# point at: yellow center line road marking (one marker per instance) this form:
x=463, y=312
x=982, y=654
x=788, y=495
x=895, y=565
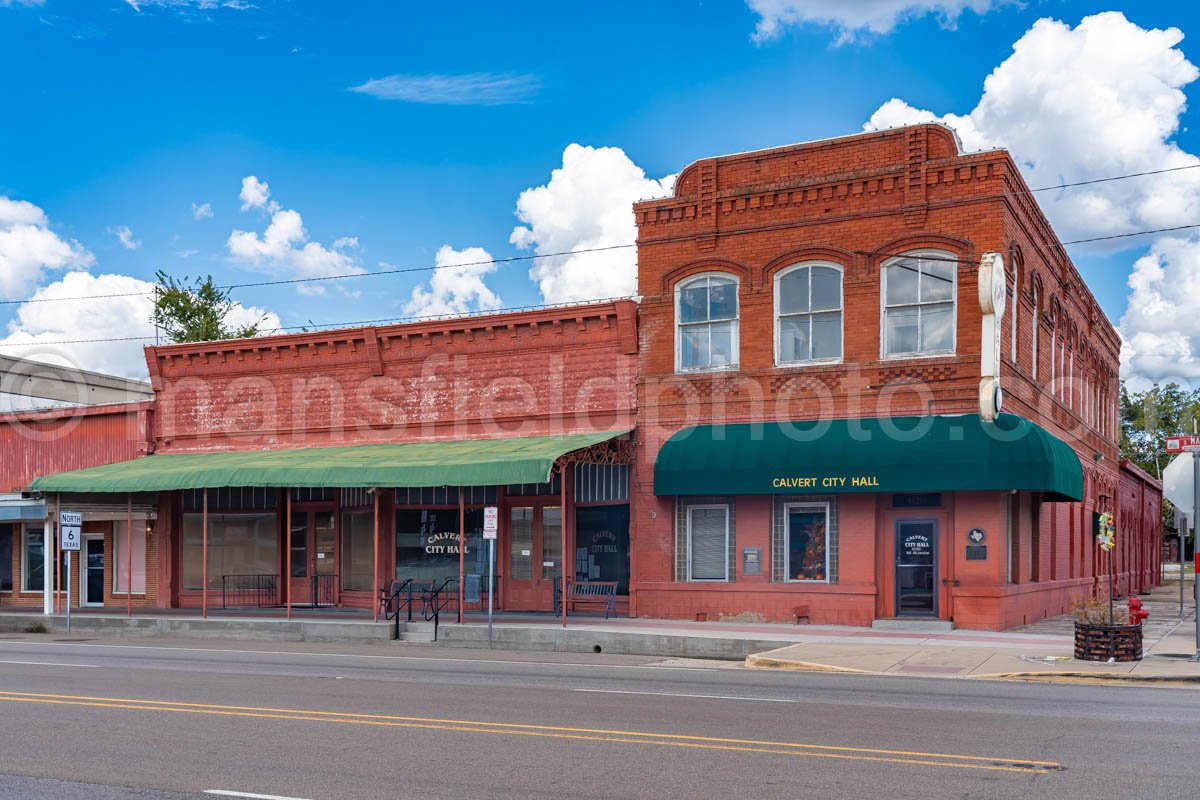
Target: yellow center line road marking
x=991, y=763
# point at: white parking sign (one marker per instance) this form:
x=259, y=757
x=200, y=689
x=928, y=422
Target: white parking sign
x=69, y=526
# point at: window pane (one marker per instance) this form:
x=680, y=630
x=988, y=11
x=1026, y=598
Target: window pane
x=721, y=344
x=238, y=544
x=6, y=559
x=793, y=292
x=902, y=282
x=602, y=545
x=709, y=545
x=722, y=299
x=826, y=289
x=299, y=544
x=121, y=558
x=34, y=565
x=358, y=550
x=693, y=347
x=521, y=544
x=693, y=302
x=551, y=541
x=937, y=327
x=901, y=330
x=806, y=545
x=427, y=543
x=794, y=339
x=827, y=335
x=937, y=280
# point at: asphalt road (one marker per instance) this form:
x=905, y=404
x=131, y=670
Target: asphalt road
x=126, y=719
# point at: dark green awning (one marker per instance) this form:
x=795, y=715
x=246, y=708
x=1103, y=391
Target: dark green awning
x=873, y=454
x=475, y=462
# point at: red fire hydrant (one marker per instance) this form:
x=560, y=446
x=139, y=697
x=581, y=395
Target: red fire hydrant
x=1136, y=612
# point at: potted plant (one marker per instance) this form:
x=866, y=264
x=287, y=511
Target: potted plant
x=1102, y=630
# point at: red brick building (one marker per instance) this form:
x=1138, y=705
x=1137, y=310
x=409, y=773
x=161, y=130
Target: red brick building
x=795, y=421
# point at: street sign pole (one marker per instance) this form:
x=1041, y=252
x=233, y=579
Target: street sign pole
x=70, y=527
x=69, y=592
x=491, y=524
x=1195, y=539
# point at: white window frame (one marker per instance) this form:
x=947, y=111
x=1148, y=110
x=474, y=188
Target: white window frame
x=1033, y=372
x=25, y=535
x=708, y=506
x=883, y=307
x=737, y=332
x=91, y=602
x=1016, y=307
x=841, y=310
x=787, y=537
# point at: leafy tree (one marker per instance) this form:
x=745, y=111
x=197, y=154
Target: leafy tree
x=1149, y=417
x=196, y=312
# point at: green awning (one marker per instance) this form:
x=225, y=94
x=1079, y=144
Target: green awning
x=873, y=454
x=476, y=462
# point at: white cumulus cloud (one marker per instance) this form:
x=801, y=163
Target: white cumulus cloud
x=850, y=19
x=125, y=237
x=202, y=211
x=28, y=247
x=1101, y=99
x=586, y=205
x=457, y=285
x=284, y=247
x=82, y=310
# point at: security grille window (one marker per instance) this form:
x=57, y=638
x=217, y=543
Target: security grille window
x=918, y=309
x=807, y=550
x=708, y=543
x=808, y=315
x=707, y=312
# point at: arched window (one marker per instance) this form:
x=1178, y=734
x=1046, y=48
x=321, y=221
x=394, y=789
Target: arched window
x=919, y=292
x=808, y=314
x=1033, y=322
x=1014, y=303
x=706, y=314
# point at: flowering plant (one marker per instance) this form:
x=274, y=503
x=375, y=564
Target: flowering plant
x=1106, y=537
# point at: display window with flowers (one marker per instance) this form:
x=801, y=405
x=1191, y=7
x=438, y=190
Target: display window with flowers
x=807, y=542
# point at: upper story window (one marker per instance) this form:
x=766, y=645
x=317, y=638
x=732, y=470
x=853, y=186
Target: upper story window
x=808, y=314
x=706, y=313
x=919, y=304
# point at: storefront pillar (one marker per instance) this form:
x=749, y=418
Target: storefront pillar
x=49, y=596
x=128, y=554
x=462, y=548
x=375, y=557
x=562, y=528
x=53, y=548
x=287, y=547
x=204, y=557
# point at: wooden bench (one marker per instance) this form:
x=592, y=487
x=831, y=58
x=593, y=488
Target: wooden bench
x=593, y=593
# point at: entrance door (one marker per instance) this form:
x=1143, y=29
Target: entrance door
x=91, y=582
x=314, y=558
x=916, y=567
x=534, y=557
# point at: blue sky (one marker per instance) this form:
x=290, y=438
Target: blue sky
x=130, y=114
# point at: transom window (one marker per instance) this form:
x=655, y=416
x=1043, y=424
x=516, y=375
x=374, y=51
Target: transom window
x=808, y=314
x=919, y=298
x=706, y=308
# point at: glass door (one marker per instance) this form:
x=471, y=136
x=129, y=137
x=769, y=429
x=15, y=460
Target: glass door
x=314, y=558
x=92, y=579
x=916, y=568
x=534, y=557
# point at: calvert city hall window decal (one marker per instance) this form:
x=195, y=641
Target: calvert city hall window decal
x=427, y=543
x=807, y=541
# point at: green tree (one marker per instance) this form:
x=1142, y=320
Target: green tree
x=1150, y=416
x=196, y=311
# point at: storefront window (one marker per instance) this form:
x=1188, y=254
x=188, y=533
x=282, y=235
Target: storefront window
x=358, y=550
x=6, y=560
x=708, y=543
x=808, y=542
x=32, y=563
x=121, y=560
x=427, y=543
x=238, y=544
x=602, y=545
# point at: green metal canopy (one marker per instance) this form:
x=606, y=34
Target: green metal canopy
x=873, y=454
x=476, y=462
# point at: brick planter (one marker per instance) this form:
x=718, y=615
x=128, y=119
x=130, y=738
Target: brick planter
x=1104, y=642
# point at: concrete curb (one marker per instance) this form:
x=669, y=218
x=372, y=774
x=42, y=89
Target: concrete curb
x=268, y=630
x=762, y=662
x=1091, y=677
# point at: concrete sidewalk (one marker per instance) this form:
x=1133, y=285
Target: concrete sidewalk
x=1042, y=651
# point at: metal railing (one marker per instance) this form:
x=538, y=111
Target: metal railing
x=323, y=590
x=434, y=596
x=440, y=597
x=249, y=591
